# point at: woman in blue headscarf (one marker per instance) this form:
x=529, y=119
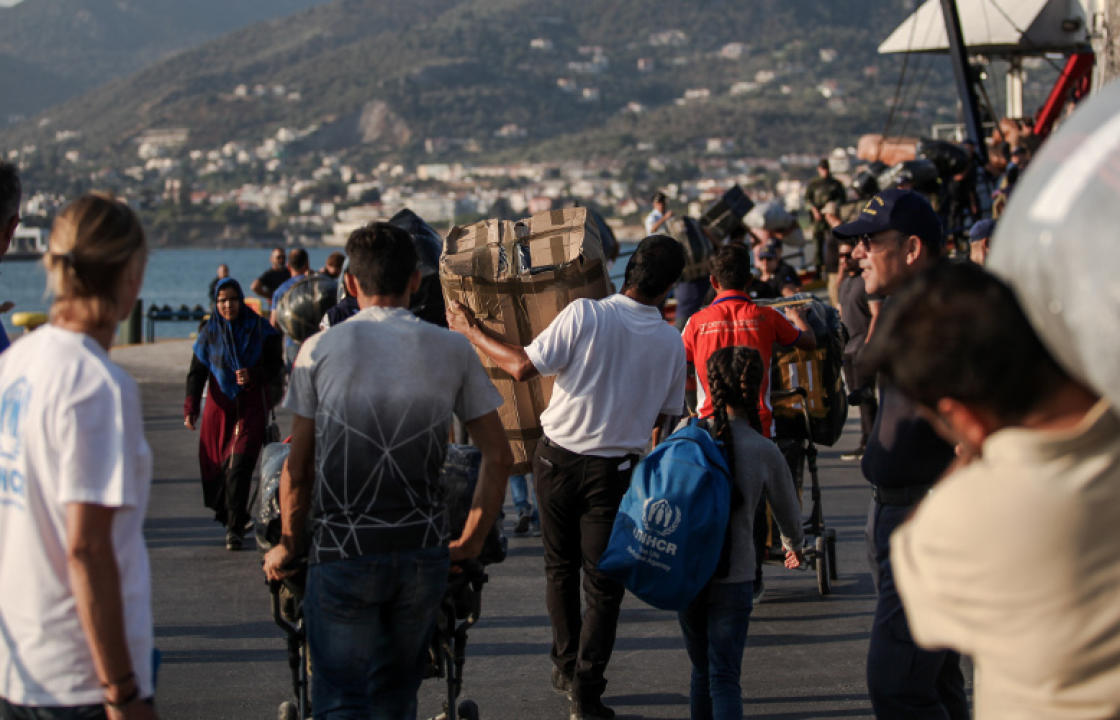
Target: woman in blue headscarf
x=238, y=353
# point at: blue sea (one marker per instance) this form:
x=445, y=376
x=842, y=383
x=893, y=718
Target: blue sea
x=175, y=277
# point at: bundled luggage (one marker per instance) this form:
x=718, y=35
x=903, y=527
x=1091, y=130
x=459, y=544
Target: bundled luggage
x=725, y=216
x=698, y=249
x=427, y=302
x=949, y=158
x=920, y=174
x=819, y=372
x=302, y=307
x=516, y=277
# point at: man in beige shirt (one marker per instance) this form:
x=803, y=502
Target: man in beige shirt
x=1014, y=558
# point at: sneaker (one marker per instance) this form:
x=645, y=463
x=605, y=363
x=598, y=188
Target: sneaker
x=233, y=541
x=852, y=456
x=524, y=518
x=561, y=683
x=759, y=591
x=589, y=710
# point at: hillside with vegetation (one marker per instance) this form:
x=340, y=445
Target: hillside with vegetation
x=51, y=50
x=400, y=79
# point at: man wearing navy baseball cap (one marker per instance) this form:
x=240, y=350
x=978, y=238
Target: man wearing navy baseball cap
x=896, y=236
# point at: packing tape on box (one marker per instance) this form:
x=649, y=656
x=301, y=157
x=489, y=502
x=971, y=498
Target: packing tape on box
x=521, y=286
x=524, y=434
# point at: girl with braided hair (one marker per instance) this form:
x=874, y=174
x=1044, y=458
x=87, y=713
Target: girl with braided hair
x=715, y=623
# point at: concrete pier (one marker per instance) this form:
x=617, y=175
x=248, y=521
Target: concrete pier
x=224, y=659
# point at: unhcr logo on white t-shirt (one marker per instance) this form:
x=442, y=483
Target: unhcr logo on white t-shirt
x=13, y=405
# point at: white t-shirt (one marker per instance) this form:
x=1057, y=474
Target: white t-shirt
x=618, y=365
x=651, y=220
x=1015, y=561
x=71, y=431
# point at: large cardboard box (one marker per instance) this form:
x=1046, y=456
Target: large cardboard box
x=517, y=277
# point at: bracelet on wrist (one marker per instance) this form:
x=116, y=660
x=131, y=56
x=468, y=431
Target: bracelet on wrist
x=121, y=681
x=125, y=701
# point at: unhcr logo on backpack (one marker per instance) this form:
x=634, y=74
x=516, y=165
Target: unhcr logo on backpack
x=659, y=517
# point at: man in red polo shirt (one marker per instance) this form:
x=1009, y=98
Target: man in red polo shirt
x=734, y=319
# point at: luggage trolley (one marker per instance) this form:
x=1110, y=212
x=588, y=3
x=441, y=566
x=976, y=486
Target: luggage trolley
x=460, y=607
x=801, y=452
x=810, y=408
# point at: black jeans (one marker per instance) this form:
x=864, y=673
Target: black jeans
x=9, y=711
x=905, y=682
x=578, y=497
x=23, y=712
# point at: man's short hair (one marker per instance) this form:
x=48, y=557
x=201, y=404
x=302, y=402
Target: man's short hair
x=957, y=331
x=823, y=164
x=297, y=259
x=655, y=266
x=659, y=197
x=382, y=258
x=731, y=267
x=10, y=191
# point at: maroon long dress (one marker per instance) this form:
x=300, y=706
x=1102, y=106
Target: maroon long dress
x=232, y=434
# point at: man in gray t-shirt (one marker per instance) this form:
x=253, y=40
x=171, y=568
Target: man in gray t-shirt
x=372, y=400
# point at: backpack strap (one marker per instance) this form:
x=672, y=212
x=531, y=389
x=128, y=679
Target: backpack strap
x=736, y=501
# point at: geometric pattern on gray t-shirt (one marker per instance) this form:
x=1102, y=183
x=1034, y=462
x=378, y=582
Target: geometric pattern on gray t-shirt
x=382, y=388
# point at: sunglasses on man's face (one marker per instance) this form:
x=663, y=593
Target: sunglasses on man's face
x=864, y=241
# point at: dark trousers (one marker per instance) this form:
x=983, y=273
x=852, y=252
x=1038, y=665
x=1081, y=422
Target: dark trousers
x=905, y=681
x=8, y=711
x=79, y=712
x=869, y=404
x=230, y=498
x=578, y=496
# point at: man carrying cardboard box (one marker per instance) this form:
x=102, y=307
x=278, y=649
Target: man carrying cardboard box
x=620, y=372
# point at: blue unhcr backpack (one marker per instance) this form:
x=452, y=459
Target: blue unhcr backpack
x=669, y=533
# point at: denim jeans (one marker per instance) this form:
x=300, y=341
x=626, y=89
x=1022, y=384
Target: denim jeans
x=715, y=633
x=369, y=620
x=905, y=682
x=521, y=494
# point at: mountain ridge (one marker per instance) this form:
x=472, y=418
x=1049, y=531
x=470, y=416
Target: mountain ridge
x=77, y=45
x=441, y=69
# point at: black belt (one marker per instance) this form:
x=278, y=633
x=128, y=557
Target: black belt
x=901, y=496
x=618, y=459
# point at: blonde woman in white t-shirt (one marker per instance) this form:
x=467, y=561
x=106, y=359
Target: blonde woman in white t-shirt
x=75, y=473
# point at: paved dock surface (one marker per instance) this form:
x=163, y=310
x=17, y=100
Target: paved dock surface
x=224, y=659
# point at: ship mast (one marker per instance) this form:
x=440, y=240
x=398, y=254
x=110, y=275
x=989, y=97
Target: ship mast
x=966, y=90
